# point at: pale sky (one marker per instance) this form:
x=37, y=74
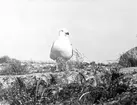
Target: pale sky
x=100, y=29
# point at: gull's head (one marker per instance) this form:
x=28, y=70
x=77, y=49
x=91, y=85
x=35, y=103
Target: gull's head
x=63, y=31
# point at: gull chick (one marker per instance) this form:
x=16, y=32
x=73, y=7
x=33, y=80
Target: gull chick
x=61, y=50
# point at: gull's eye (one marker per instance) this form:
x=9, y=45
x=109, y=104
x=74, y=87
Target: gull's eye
x=67, y=33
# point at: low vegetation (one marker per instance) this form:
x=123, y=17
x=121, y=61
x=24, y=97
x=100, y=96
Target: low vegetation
x=82, y=92
x=111, y=88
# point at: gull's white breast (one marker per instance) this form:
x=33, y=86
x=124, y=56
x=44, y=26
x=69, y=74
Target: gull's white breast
x=61, y=48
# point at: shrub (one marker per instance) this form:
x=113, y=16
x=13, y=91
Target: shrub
x=4, y=59
x=14, y=67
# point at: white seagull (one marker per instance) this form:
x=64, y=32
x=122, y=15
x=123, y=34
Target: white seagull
x=61, y=50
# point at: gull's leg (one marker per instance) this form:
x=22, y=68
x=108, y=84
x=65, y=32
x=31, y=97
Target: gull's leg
x=67, y=66
x=64, y=64
x=57, y=64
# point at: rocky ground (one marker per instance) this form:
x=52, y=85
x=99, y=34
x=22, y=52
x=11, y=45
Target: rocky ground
x=37, y=83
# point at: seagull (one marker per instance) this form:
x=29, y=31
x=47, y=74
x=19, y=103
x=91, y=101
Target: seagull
x=61, y=50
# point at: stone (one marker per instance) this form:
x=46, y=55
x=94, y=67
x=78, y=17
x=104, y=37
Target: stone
x=129, y=58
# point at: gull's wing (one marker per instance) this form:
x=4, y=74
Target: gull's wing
x=52, y=55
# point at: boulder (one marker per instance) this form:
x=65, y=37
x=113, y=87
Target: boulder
x=129, y=58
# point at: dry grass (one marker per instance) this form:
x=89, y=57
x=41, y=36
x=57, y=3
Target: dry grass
x=79, y=93
x=76, y=61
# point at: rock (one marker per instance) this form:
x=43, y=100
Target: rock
x=29, y=79
x=128, y=70
x=129, y=59
x=4, y=102
x=130, y=75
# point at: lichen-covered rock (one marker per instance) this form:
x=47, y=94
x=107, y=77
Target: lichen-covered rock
x=29, y=79
x=129, y=59
x=130, y=75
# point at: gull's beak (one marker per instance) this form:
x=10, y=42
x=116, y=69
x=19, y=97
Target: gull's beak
x=67, y=33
